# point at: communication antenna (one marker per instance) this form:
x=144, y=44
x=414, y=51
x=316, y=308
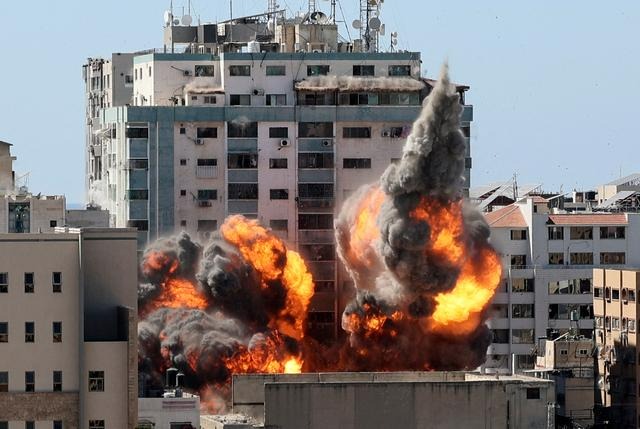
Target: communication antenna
x=312, y=6
x=370, y=24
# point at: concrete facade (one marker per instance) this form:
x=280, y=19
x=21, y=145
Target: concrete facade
x=65, y=314
x=407, y=400
x=169, y=413
x=548, y=261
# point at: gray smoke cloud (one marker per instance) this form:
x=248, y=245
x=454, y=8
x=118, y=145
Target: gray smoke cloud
x=355, y=83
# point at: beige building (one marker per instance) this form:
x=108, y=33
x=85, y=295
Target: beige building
x=616, y=320
x=395, y=400
x=68, y=329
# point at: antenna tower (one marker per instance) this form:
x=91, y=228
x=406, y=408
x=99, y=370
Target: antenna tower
x=312, y=6
x=369, y=34
x=273, y=7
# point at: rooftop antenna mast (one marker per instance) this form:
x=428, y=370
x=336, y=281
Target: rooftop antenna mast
x=312, y=6
x=370, y=25
x=273, y=7
x=333, y=11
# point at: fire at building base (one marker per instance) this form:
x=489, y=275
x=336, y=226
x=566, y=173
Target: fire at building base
x=419, y=258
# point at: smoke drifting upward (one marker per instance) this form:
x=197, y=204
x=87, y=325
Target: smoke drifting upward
x=419, y=258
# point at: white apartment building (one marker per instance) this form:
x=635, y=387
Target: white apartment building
x=548, y=261
x=274, y=120
x=68, y=329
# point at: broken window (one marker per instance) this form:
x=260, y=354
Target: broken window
x=315, y=190
x=364, y=70
x=500, y=336
x=315, y=129
x=276, y=99
x=356, y=132
x=57, y=381
x=320, y=221
x=242, y=160
x=4, y=282
x=581, y=233
x=278, y=132
x=612, y=232
x=279, y=194
x=522, y=311
x=522, y=336
x=318, y=252
x=242, y=129
x=556, y=233
x=612, y=258
x=239, y=70
x=243, y=191
x=318, y=70
x=556, y=258
x=57, y=332
x=240, y=100
x=29, y=332
x=19, y=218
x=499, y=311
x=315, y=160
x=207, y=133
x=581, y=258
x=204, y=71
x=356, y=163
x=278, y=163
x=522, y=285
x=276, y=71
x=29, y=283
x=399, y=70
x=96, y=381
x=29, y=381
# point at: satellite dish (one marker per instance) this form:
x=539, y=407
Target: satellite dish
x=375, y=23
x=394, y=34
x=357, y=24
x=187, y=20
x=176, y=22
x=318, y=17
x=394, y=42
x=167, y=17
x=383, y=30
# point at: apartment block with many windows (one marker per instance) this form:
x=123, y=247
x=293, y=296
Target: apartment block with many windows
x=68, y=329
x=548, y=261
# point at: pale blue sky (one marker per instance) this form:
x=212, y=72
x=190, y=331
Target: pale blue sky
x=555, y=84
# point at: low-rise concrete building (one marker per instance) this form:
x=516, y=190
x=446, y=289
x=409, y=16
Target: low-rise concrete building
x=403, y=400
x=68, y=329
x=177, y=411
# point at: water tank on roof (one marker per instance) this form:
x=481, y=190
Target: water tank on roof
x=253, y=47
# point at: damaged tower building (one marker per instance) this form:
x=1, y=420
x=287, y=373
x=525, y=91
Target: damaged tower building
x=270, y=117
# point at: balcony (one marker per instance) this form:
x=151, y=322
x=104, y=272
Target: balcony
x=207, y=172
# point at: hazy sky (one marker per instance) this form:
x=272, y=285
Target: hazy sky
x=555, y=85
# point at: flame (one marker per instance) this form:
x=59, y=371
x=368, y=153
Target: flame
x=180, y=293
x=268, y=255
x=266, y=358
x=365, y=231
x=445, y=221
x=158, y=261
x=293, y=366
x=459, y=310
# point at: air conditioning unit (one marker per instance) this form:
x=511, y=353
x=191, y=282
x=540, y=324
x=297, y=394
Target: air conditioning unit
x=258, y=92
x=327, y=143
x=285, y=143
x=186, y=72
x=386, y=133
x=200, y=142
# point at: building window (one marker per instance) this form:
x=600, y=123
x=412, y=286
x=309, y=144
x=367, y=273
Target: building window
x=631, y=325
x=140, y=225
x=210, y=99
x=278, y=132
x=239, y=70
x=183, y=161
x=29, y=424
x=243, y=191
x=500, y=336
x=53, y=223
x=315, y=160
x=612, y=258
x=276, y=100
x=242, y=160
x=518, y=234
x=207, y=168
x=356, y=132
x=597, y=292
x=137, y=133
x=56, y=281
x=57, y=332
x=4, y=332
x=525, y=361
x=4, y=381
x=207, y=194
x=4, y=282
x=96, y=381
x=279, y=194
x=29, y=332
x=318, y=98
x=279, y=224
x=518, y=261
x=183, y=192
x=207, y=225
x=28, y=283
x=138, y=164
x=522, y=285
x=360, y=70
x=399, y=70
x=278, y=163
x=522, y=311
x=315, y=190
x=556, y=258
x=581, y=233
x=615, y=323
x=556, y=233
x=57, y=381
x=29, y=381
x=96, y=424
x=356, y=163
x=276, y=71
x=183, y=130
x=57, y=424
x=522, y=336
x=581, y=258
x=399, y=99
x=203, y=71
x=315, y=129
x=138, y=194
x=207, y=133
x=612, y=232
x=315, y=221
x=240, y=100
x=615, y=294
x=572, y=287
x=242, y=129
x=318, y=252
x=183, y=223
x=318, y=70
